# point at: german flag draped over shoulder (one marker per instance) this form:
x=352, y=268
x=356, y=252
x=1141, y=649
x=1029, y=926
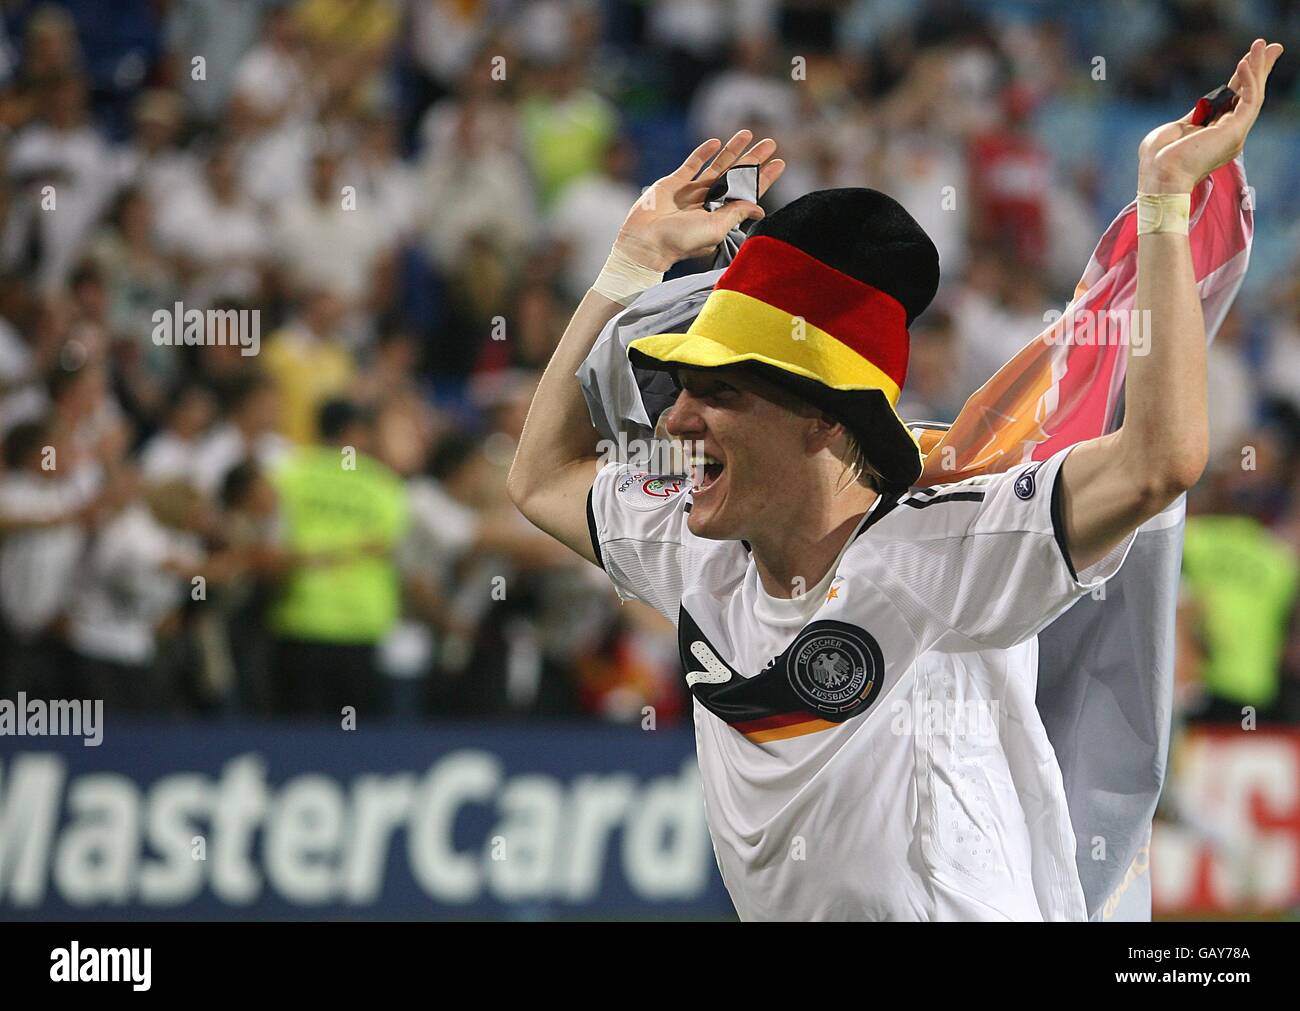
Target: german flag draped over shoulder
x=1105, y=680
x=1066, y=384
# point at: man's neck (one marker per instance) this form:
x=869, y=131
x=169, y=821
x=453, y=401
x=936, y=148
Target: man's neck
x=799, y=554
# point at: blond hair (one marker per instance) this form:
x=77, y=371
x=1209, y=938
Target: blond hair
x=857, y=469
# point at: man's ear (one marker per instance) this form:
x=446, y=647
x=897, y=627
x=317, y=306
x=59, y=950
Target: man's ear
x=823, y=432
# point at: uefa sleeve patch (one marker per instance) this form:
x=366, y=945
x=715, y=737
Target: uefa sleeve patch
x=642, y=490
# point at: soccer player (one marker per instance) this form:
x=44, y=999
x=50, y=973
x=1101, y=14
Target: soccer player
x=822, y=603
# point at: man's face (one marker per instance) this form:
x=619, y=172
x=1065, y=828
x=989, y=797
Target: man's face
x=751, y=451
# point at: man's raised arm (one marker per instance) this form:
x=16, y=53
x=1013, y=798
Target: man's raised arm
x=555, y=462
x=1114, y=484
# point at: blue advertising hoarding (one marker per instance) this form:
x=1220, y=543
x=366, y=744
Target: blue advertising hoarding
x=289, y=821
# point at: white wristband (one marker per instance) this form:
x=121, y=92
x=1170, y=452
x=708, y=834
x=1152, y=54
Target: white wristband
x=622, y=279
x=1163, y=212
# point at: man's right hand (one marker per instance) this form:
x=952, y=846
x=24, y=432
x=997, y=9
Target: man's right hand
x=555, y=462
x=669, y=223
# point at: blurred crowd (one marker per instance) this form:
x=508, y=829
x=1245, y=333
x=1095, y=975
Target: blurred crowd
x=277, y=280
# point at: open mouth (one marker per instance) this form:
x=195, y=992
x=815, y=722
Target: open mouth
x=707, y=470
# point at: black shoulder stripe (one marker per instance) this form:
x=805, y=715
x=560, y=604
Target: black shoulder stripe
x=884, y=508
x=591, y=528
x=957, y=496
x=893, y=501
x=1058, y=524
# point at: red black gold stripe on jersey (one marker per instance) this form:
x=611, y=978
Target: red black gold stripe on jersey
x=778, y=728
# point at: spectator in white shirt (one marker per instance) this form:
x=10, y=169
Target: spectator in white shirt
x=171, y=452
x=87, y=421
x=215, y=232
x=329, y=239
x=458, y=536
x=152, y=160
x=43, y=513
x=273, y=106
x=492, y=121
x=447, y=37
x=473, y=189
x=65, y=166
x=588, y=214
x=251, y=406
x=746, y=92
x=138, y=573
x=385, y=184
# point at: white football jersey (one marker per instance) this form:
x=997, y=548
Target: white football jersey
x=872, y=750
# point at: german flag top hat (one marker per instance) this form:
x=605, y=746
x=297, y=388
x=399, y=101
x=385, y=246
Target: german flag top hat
x=818, y=300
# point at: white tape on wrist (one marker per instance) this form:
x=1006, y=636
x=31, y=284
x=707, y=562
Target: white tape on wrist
x=622, y=279
x=1163, y=212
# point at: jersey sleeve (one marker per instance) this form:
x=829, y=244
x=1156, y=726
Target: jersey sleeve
x=637, y=523
x=983, y=563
